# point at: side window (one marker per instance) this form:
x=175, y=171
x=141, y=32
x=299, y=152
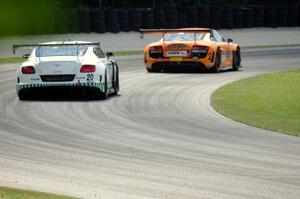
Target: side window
x=217, y=36
x=98, y=52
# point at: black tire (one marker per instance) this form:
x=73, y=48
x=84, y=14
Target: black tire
x=216, y=67
x=22, y=96
x=151, y=70
x=103, y=95
x=116, y=84
x=236, y=60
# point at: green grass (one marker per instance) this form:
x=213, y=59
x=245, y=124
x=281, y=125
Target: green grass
x=269, y=101
x=11, y=60
x=10, y=193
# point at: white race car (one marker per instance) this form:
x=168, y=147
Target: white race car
x=75, y=64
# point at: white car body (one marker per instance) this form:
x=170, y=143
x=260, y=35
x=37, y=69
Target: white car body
x=62, y=69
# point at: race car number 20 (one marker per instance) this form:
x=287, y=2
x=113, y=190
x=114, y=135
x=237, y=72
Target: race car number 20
x=89, y=77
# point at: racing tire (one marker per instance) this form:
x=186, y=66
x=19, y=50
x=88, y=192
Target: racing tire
x=236, y=60
x=151, y=70
x=116, y=85
x=216, y=68
x=22, y=96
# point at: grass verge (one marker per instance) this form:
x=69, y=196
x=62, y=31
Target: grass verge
x=11, y=193
x=11, y=60
x=267, y=101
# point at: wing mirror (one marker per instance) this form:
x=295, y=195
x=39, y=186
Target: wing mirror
x=229, y=40
x=109, y=54
x=26, y=56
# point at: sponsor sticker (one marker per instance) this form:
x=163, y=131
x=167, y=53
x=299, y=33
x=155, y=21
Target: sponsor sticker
x=177, y=53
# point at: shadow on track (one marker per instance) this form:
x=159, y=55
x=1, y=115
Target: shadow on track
x=63, y=94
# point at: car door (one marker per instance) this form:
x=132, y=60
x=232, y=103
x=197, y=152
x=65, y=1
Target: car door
x=109, y=65
x=225, y=49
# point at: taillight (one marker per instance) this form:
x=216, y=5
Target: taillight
x=87, y=69
x=156, y=49
x=199, y=49
x=28, y=70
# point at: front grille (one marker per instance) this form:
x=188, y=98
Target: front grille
x=57, y=78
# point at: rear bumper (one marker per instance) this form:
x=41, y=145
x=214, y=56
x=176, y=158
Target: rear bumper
x=26, y=86
x=205, y=63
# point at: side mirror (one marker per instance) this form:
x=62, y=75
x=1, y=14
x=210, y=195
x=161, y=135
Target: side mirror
x=229, y=40
x=26, y=56
x=109, y=54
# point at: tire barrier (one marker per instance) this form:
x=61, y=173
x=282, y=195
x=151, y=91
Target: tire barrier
x=258, y=16
x=238, y=17
x=182, y=19
x=270, y=19
x=84, y=20
x=203, y=16
x=171, y=16
x=112, y=20
x=60, y=22
x=123, y=16
x=215, y=17
x=135, y=18
x=292, y=17
x=97, y=17
x=147, y=18
x=159, y=17
x=227, y=17
x=281, y=16
x=192, y=16
x=103, y=20
x=247, y=17
x=72, y=21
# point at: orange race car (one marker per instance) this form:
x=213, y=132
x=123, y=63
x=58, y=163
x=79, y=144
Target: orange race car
x=202, y=48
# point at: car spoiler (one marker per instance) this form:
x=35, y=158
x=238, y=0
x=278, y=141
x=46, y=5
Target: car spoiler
x=51, y=45
x=164, y=31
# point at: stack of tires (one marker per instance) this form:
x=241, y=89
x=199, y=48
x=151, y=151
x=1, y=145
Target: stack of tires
x=182, y=18
x=192, y=16
x=270, y=19
x=227, y=17
x=123, y=15
x=238, y=17
x=247, y=17
x=147, y=18
x=258, y=16
x=97, y=20
x=171, y=16
x=84, y=20
x=215, y=17
x=135, y=18
x=112, y=20
x=292, y=17
x=281, y=16
x=72, y=21
x=203, y=16
x=159, y=17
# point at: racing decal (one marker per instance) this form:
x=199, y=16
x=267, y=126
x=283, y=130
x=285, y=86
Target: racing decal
x=89, y=77
x=177, y=53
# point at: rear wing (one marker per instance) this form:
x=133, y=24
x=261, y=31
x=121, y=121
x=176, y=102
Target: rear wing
x=14, y=47
x=164, y=31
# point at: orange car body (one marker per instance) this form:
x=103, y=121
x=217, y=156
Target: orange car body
x=200, y=47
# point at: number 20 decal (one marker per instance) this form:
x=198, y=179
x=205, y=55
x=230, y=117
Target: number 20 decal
x=89, y=77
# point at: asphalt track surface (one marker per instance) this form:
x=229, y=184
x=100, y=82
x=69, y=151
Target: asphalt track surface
x=158, y=139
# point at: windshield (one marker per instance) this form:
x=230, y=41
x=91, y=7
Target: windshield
x=181, y=36
x=60, y=51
